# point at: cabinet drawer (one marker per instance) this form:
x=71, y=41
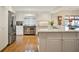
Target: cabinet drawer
x=42, y=35
x=54, y=35
x=69, y=45
x=69, y=35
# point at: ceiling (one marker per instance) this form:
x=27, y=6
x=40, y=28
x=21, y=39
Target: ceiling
x=43, y=8
x=36, y=8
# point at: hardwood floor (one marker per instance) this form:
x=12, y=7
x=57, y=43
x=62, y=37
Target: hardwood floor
x=23, y=44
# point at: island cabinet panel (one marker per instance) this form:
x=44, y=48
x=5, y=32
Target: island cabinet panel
x=53, y=42
x=69, y=41
x=42, y=42
x=53, y=45
x=69, y=35
x=78, y=35
x=54, y=35
x=69, y=45
x=77, y=47
x=42, y=45
x=59, y=41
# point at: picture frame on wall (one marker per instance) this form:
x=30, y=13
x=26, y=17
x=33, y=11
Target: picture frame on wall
x=59, y=20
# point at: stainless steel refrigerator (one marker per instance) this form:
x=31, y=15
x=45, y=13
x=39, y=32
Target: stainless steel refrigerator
x=11, y=27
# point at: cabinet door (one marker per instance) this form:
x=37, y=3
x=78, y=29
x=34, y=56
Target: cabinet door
x=42, y=42
x=42, y=45
x=54, y=35
x=78, y=35
x=77, y=47
x=53, y=45
x=69, y=35
x=69, y=45
x=19, y=30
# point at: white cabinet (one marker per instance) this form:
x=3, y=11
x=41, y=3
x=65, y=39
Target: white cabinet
x=69, y=45
x=53, y=45
x=19, y=30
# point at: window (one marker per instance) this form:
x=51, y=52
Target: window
x=30, y=21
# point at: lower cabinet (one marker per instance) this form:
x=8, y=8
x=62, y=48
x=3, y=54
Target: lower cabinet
x=42, y=45
x=53, y=45
x=59, y=42
x=69, y=45
x=77, y=46
x=19, y=30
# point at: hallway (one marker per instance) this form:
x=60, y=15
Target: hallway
x=24, y=44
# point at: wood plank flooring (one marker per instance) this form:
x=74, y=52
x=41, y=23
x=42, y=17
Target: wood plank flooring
x=24, y=44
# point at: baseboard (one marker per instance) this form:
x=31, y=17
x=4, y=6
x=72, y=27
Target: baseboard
x=4, y=48
x=29, y=34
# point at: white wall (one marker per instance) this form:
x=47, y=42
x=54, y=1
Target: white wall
x=43, y=19
x=3, y=26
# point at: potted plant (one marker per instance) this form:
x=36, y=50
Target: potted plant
x=51, y=22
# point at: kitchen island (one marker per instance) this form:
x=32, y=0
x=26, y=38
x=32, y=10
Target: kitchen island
x=58, y=40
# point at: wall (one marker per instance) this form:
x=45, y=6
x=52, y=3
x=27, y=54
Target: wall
x=4, y=26
x=43, y=19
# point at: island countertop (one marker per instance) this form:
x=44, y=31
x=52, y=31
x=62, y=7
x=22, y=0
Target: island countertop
x=56, y=30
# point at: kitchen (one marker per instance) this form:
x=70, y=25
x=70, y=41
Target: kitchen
x=55, y=28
